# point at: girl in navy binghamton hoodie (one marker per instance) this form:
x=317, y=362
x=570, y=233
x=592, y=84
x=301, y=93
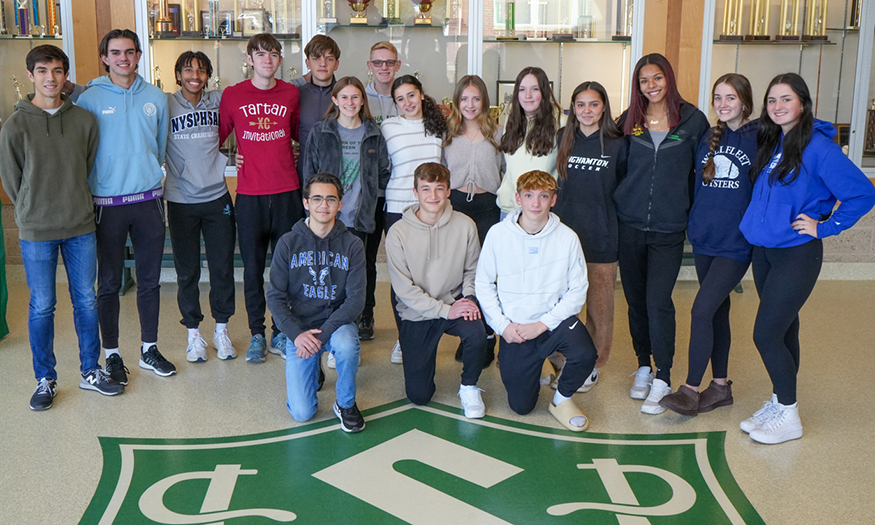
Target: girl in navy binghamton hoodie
x=798, y=175
x=721, y=195
x=590, y=161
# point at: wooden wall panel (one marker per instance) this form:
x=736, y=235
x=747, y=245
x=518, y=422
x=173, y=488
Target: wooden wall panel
x=673, y=28
x=88, y=65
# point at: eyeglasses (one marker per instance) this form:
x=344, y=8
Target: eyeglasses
x=317, y=200
x=379, y=63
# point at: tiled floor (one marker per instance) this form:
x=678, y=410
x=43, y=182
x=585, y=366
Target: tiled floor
x=50, y=462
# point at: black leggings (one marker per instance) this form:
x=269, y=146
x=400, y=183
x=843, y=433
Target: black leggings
x=649, y=267
x=481, y=208
x=710, y=335
x=784, y=278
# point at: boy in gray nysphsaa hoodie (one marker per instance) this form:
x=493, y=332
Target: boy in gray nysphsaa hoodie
x=432, y=253
x=198, y=202
x=47, y=149
x=316, y=292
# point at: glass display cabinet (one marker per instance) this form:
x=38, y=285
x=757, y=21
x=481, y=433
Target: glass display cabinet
x=821, y=40
x=23, y=25
x=438, y=40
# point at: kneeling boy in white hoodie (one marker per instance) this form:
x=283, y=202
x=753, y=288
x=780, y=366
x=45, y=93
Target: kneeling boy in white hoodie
x=531, y=284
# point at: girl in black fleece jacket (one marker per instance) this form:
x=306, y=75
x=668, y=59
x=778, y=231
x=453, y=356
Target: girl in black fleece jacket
x=591, y=160
x=653, y=202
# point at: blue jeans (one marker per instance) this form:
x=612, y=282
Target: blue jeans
x=41, y=265
x=302, y=375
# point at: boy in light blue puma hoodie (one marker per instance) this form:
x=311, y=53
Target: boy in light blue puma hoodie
x=125, y=181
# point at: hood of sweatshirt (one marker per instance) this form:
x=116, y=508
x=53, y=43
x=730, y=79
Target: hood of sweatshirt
x=104, y=82
x=409, y=216
x=27, y=107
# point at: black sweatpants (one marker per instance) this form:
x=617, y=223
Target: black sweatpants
x=261, y=221
x=389, y=220
x=710, y=335
x=144, y=221
x=215, y=221
x=521, y=363
x=372, y=246
x=649, y=267
x=419, y=340
x=481, y=208
x=784, y=279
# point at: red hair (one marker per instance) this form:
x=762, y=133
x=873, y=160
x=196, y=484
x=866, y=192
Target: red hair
x=638, y=102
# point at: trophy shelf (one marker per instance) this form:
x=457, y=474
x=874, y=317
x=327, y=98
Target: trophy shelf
x=553, y=42
x=775, y=42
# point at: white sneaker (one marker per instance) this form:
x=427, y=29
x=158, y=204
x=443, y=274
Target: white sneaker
x=396, y=358
x=224, y=348
x=591, y=381
x=330, y=362
x=197, y=349
x=784, y=425
x=761, y=415
x=658, y=390
x=471, y=401
x=641, y=386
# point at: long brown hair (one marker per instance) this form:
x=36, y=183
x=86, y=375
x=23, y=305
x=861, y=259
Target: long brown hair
x=333, y=111
x=607, y=126
x=638, y=103
x=542, y=138
x=432, y=119
x=741, y=85
x=456, y=123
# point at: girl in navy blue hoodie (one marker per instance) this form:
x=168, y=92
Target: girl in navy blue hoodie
x=799, y=174
x=653, y=201
x=591, y=160
x=721, y=196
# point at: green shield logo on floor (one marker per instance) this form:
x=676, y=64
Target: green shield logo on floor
x=421, y=465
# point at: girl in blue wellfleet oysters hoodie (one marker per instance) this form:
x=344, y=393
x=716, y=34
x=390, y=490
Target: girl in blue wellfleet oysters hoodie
x=722, y=254
x=798, y=175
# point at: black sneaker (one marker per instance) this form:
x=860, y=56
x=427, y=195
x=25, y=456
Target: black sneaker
x=116, y=369
x=98, y=381
x=366, y=329
x=152, y=360
x=45, y=392
x=351, y=419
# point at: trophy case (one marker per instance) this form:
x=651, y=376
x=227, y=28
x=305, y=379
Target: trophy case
x=220, y=29
x=571, y=40
x=432, y=37
x=25, y=24
x=818, y=39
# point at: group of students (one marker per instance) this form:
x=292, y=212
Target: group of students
x=493, y=235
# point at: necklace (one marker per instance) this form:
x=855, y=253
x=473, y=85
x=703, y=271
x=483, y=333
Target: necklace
x=654, y=122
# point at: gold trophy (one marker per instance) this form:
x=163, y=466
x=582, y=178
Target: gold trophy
x=624, y=21
x=758, y=22
x=390, y=12
x=856, y=14
x=360, y=8
x=163, y=24
x=732, y=11
x=327, y=14
x=193, y=22
x=789, y=20
x=815, y=21
x=51, y=19
x=424, y=18
x=3, y=30
x=17, y=85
